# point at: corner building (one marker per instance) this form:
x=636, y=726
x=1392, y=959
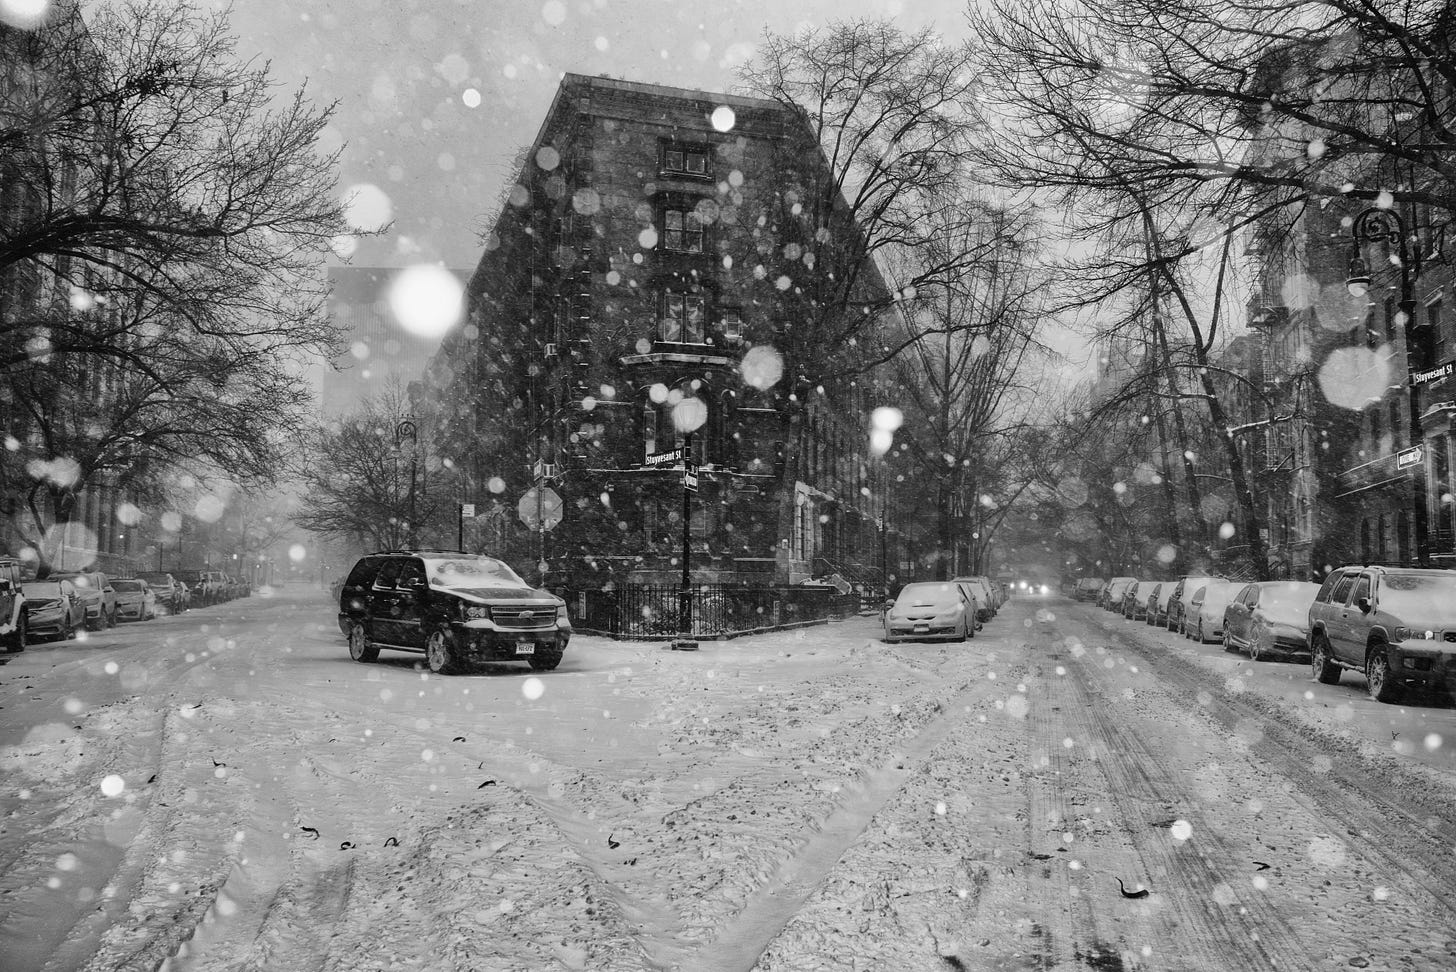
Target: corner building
x=634, y=275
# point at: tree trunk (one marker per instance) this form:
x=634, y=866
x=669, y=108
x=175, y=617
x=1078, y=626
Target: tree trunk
x=1253, y=523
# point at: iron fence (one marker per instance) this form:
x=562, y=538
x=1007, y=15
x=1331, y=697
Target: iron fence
x=638, y=612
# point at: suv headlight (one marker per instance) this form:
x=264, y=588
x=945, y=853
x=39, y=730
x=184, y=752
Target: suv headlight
x=1402, y=634
x=561, y=616
x=476, y=611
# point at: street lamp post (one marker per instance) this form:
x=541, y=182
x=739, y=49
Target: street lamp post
x=1375, y=225
x=402, y=431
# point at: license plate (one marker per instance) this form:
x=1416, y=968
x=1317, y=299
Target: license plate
x=922, y=629
x=526, y=648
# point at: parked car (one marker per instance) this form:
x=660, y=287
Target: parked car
x=1087, y=588
x=96, y=594
x=1110, y=597
x=1203, y=620
x=931, y=609
x=1183, y=592
x=1158, y=604
x=164, y=586
x=135, y=599
x=53, y=607
x=1269, y=617
x=1135, y=601
x=12, y=607
x=198, y=594
x=1397, y=625
x=217, y=586
x=985, y=597
x=457, y=608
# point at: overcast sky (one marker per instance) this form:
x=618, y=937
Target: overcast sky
x=406, y=74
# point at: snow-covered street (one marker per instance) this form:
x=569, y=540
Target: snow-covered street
x=227, y=790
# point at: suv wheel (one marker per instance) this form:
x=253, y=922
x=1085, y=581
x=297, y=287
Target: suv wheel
x=546, y=658
x=1321, y=666
x=440, y=652
x=1383, y=685
x=359, y=647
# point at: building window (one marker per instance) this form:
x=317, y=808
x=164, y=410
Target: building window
x=1395, y=422
x=731, y=322
x=681, y=230
x=1364, y=541
x=685, y=159
x=682, y=319
x=1381, y=549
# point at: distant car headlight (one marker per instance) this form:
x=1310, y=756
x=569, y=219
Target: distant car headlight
x=1045, y=589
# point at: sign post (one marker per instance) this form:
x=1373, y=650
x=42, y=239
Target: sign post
x=685, y=640
x=467, y=510
x=540, y=509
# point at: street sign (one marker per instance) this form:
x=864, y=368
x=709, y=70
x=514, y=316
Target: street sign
x=1443, y=370
x=467, y=510
x=1406, y=458
x=690, y=481
x=664, y=458
x=540, y=508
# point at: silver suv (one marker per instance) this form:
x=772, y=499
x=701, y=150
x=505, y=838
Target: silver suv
x=1395, y=625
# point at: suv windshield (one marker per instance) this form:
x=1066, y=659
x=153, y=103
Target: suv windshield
x=1419, y=596
x=475, y=572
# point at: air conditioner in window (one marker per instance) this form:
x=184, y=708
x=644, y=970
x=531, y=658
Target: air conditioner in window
x=550, y=349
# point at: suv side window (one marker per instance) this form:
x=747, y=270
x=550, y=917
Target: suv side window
x=1341, y=593
x=384, y=580
x=1328, y=586
x=411, y=572
x=363, y=573
x=1362, y=588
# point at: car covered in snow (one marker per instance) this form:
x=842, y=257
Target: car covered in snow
x=1183, y=591
x=1088, y=588
x=1203, y=619
x=94, y=589
x=135, y=599
x=1110, y=597
x=980, y=587
x=1396, y=625
x=458, y=609
x=931, y=609
x=1269, y=617
x=1135, y=599
x=167, y=590
x=53, y=607
x=1158, y=602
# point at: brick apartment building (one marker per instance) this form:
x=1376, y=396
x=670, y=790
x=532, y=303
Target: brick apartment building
x=633, y=277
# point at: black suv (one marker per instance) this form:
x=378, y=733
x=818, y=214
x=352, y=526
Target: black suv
x=1396, y=625
x=457, y=608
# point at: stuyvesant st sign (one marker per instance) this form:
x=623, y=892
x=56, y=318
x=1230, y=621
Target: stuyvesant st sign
x=1443, y=370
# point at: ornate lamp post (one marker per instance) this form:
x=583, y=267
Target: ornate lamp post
x=1375, y=225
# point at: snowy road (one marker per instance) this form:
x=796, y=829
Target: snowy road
x=226, y=790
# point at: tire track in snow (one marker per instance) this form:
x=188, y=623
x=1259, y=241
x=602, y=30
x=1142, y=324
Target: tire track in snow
x=1190, y=882
x=1353, y=791
x=742, y=939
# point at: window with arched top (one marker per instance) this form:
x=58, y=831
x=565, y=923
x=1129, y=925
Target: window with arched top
x=670, y=415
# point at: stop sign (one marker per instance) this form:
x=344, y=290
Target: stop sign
x=540, y=508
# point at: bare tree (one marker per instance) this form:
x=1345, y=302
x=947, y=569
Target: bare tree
x=365, y=482
x=880, y=178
